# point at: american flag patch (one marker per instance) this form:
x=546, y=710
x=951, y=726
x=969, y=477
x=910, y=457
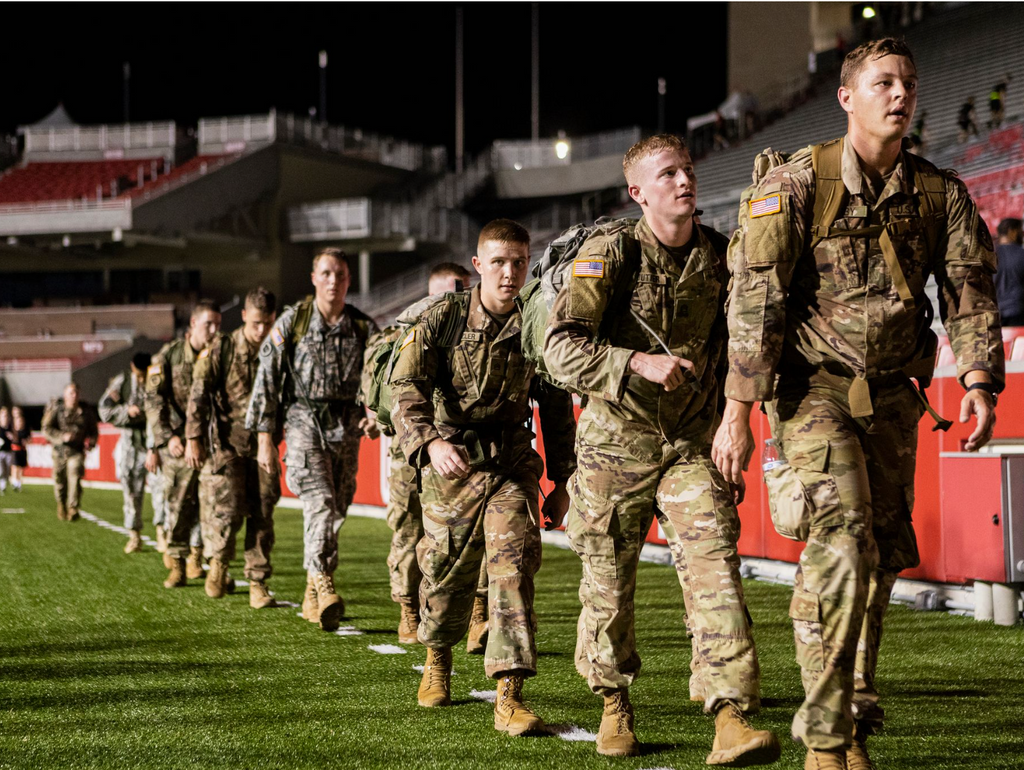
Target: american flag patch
x=275, y=335
x=588, y=268
x=771, y=204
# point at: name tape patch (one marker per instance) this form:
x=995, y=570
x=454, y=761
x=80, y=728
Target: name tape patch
x=275, y=335
x=771, y=204
x=588, y=268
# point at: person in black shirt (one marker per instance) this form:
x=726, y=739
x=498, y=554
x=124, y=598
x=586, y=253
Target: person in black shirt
x=1010, y=273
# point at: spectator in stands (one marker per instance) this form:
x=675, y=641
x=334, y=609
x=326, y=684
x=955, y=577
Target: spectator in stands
x=72, y=428
x=966, y=120
x=6, y=447
x=997, y=102
x=22, y=434
x=1010, y=273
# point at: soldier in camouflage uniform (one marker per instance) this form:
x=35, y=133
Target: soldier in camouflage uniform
x=644, y=448
x=168, y=386
x=404, y=515
x=241, y=490
x=123, y=405
x=827, y=321
x=71, y=427
x=310, y=365
x=461, y=388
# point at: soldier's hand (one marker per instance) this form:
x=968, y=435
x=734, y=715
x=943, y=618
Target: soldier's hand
x=194, y=454
x=555, y=507
x=68, y=437
x=134, y=411
x=739, y=492
x=369, y=427
x=666, y=371
x=175, y=447
x=980, y=404
x=734, y=442
x=152, y=461
x=266, y=453
x=448, y=460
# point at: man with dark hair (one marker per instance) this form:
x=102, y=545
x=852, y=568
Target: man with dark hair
x=71, y=427
x=639, y=329
x=236, y=486
x=828, y=321
x=461, y=390
x=310, y=365
x=123, y=405
x=168, y=386
x=1010, y=273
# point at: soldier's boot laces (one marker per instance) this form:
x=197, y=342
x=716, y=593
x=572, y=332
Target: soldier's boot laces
x=134, y=544
x=511, y=715
x=329, y=605
x=310, y=606
x=616, y=737
x=737, y=744
x=215, y=579
x=825, y=760
x=178, y=577
x=161, y=540
x=476, y=642
x=259, y=595
x=436, y=684
x=857, y=755
x=194, y=565
x=410, y=621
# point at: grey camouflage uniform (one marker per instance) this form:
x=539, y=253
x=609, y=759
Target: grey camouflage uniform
x=121, y=394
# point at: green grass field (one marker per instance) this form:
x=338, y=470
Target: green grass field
x=102, y=667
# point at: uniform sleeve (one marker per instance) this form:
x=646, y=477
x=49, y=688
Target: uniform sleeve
x=762, y=256
x=206, y=377
x=967, y=294
x=158, y=383
x=559, y=427
x=92, y=425
x=571, y=350
x=262, y=415
x=111, y=408
x=50, y=426
x=412, y=390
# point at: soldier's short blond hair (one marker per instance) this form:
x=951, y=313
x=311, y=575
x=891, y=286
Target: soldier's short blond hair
x=332, y=252
x=872, y=51
x=449, y=269
x=503, y=231
x=645, y=148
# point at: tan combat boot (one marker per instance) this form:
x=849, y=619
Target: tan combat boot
x=310, y=605
x=511, y=715
x=616, y=737
x=73, y=514
x=857, y=755
x=330, y=605
x=259, y=596
x=825, y=760
x=177, y=578
x=168, y=560
x=215, y=579
x=436, y=684
x=161, y=540
x=62, y=512
x=476, y=642
x=134, y=544
x=194, y=565
x=737, y=744
x=410, y=622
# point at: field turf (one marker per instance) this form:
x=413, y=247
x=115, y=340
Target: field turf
x=101, y=667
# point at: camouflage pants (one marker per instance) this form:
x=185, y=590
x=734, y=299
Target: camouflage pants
x=858, y=480
x=494, y=513
x=405, y=518
x=181, y=492
x=240, y=491
x=158, y=498
x=325, y=481
x=615, y=495
x=68, y=470
x=131, y=469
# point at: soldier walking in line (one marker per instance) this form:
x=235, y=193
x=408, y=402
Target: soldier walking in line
x=71, y=427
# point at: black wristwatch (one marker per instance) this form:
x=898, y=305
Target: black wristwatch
x=989, y=388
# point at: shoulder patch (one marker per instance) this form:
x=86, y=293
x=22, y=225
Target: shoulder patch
x=276, y=336
x=204, y=353
x=770, y=204
x=154, y=369
x=588, y=268
x=409, y=339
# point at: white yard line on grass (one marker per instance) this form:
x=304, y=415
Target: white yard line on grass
x=486, y=695
x=12, y=510
x=420, y=669
x=387, y=649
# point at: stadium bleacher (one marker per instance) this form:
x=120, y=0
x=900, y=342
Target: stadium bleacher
x=54, y=181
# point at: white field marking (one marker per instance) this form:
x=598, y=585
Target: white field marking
x=386, y=649
x=420, y=669
x=486, y=695
x=349, y=631
x=283, y=603
x=572, y=733
x=12, y=510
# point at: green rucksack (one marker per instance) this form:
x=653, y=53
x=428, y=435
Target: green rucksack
x=382, y=351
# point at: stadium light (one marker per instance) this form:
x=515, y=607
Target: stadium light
x=868, y=12
x=562, y=149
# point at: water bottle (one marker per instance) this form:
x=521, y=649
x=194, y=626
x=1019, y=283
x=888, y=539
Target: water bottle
x=772, y=456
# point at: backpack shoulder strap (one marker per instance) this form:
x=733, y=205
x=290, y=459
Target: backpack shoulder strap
x=454, y=320
x=932, y=184
x=719, y=243
x=829, y=190
x=300, y=324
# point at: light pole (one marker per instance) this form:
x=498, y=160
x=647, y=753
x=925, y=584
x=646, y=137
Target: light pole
x=535, y=73
x=323, y=86
x=126, y=72
x=460, y=119
x=661, y=105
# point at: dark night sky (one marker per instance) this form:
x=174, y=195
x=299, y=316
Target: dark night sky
x=391, y=65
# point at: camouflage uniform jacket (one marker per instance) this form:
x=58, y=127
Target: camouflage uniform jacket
x=836, y=307
x=593, y=332
x=168, y=385
x=328, y=362
x=481, y=384
x=221, y=385
x=121, y=394
x=80, y=422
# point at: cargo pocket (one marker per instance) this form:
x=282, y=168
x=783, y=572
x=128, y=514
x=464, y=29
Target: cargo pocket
x=802, y=494
x=594, y=511
x=805, y=611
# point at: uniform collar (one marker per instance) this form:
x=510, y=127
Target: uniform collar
x=242, y=346
x=855, y=181
x=701, y=258
x=318, y=323
x=480, y=320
